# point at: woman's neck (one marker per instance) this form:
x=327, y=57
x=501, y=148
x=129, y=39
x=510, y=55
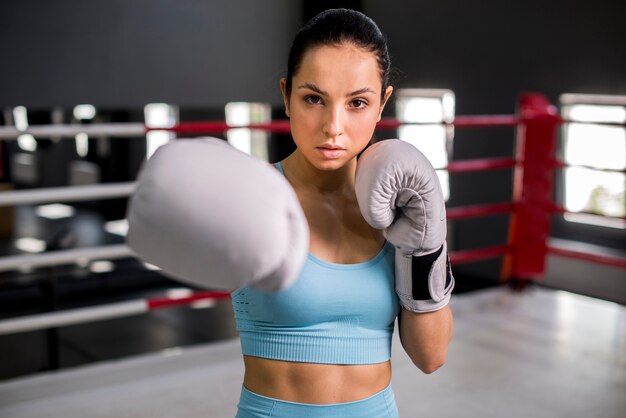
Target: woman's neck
x=304, y=176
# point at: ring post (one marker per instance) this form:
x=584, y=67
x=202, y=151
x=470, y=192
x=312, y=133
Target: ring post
x=529, y=225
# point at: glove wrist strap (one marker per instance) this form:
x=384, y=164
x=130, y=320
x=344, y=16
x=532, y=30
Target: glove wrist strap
x=424, y=283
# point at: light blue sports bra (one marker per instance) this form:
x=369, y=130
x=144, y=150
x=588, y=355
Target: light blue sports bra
x=334, y=313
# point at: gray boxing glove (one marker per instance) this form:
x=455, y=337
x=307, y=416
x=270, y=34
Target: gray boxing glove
x=398, y=191
x=210, y=215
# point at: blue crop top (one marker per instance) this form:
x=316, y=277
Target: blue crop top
x=333, y=314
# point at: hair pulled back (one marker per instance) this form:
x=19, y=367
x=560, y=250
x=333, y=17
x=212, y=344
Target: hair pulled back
x=334, y=27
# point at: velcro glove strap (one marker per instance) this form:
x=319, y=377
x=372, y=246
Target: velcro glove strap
x=424, y=283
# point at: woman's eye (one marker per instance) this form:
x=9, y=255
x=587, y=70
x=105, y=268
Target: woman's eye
x=313, y=99
x=358, y=103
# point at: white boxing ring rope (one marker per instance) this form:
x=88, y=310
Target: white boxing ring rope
x=68, y=131
x=67, y=194
x=72, y=317
x=61, y=257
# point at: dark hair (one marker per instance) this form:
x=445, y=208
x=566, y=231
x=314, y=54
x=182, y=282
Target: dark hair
x=334, y=27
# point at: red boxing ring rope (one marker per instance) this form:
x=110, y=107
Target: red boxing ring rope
x=479, y=210
x=159, y=303
x=594, y=258
x=283, y=126
x=466, y=256
x=481, y=164
x=474, y=121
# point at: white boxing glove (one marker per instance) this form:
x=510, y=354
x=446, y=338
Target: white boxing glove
x=398, y=191
x=213, y=216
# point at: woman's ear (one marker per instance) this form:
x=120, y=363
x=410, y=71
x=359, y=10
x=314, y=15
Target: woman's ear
x=283, y=90
x=388, y=92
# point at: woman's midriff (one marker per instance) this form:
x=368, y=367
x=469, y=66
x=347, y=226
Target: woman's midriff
x=314, y=383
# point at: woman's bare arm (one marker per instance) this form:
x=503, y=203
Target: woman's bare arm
x=425, y=337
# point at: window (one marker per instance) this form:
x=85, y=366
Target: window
x=26, y=142
x=83, y=112
x=430, y=109
x=594, y=152
x=253, y=142
x=159, y=115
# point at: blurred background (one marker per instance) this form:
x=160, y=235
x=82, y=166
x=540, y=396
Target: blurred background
x=164, y=62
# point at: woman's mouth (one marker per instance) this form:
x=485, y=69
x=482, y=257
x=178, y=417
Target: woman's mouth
x=331, y=151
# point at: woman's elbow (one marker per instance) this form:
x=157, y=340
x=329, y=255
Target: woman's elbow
x=429, y=366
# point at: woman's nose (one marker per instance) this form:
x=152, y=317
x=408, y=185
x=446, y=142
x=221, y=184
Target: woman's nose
x=333, y=123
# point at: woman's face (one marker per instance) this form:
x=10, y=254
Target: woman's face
x=335, y=103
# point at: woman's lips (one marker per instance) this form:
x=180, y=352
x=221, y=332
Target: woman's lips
x=331, y=153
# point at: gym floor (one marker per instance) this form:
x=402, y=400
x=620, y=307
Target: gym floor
x=536, y=353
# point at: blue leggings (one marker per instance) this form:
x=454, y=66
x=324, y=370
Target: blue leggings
x=379, y=405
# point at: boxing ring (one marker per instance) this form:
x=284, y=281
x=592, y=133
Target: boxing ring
x=524, y=256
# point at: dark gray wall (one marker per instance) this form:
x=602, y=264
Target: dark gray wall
x=127, y=53
x=488, y=51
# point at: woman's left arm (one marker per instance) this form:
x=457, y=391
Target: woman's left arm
x=425, y=337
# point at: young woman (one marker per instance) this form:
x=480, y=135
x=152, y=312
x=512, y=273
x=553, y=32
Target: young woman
x=321, y=348
x=318, y=285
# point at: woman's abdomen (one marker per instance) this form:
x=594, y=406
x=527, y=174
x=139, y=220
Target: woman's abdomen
x=315, y=383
